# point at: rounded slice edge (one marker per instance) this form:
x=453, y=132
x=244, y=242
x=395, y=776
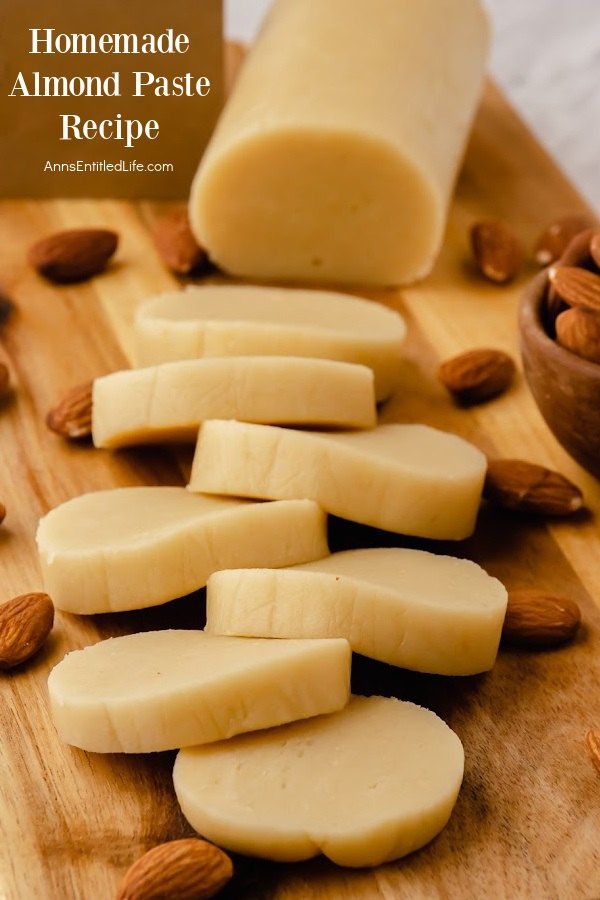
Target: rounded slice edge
x=409, y=608
x=365, y=785
x=135, y=547
x=161, y=690
x=233, y=320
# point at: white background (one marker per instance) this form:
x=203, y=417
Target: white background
x=546, y=57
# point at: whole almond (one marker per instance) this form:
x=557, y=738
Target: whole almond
x=189, y=869
x=497, y=252
x=72, y=417
x=577, y=287
x=4, y=381
x=526, y=487
x=25, y=623
x=177, y=245
x=578, y=251
x=554, y=239
x=477, y=375
x=592, y=740
x=577, y=254
x=74, y=255
x=539, y=619
x=595, y=247
x=578, y=330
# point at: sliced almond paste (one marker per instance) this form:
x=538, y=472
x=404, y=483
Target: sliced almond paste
x=411, y=479
x=365, y=785
x=244, y=320
x=409, y=608
x=161, y=690
x=129, y=548
x=169, y=401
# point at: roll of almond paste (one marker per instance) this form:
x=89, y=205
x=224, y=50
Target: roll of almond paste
x=335, y=157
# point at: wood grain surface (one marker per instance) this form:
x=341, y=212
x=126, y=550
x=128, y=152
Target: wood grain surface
x=528, y=818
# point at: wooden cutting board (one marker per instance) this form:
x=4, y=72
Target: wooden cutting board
x=528, y=817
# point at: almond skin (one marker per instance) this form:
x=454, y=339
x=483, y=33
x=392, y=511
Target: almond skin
x=578, y=254
x=538, y=619
x=578, y=330
x=526, y=487
x=176, y=244
x=592, y=740
x=477, y=375
x=498, y=254
x=72, y=417
x=2, y=513
x=189, y=869
x=74, y=255
x=4, y=381
x=25, y=623
x=577, y=287
x=595, y=247
x=578, y=251
x=554, y=240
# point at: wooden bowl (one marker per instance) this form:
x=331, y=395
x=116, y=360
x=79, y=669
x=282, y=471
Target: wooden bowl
x=565, y=387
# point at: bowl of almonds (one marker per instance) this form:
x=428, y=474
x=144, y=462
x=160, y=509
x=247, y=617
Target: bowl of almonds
x=560, y=344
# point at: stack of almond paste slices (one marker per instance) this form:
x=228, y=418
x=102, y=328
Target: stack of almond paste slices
x=278, y=759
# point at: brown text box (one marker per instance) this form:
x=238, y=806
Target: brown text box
x=31, y=127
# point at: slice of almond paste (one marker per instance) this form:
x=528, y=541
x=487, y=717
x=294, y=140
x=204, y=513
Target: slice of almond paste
x=168, y=402
x=242, y=320
x=409, y=608
x=411, y=479
x=161, y=690
x=365, y=785
x=130, y=548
